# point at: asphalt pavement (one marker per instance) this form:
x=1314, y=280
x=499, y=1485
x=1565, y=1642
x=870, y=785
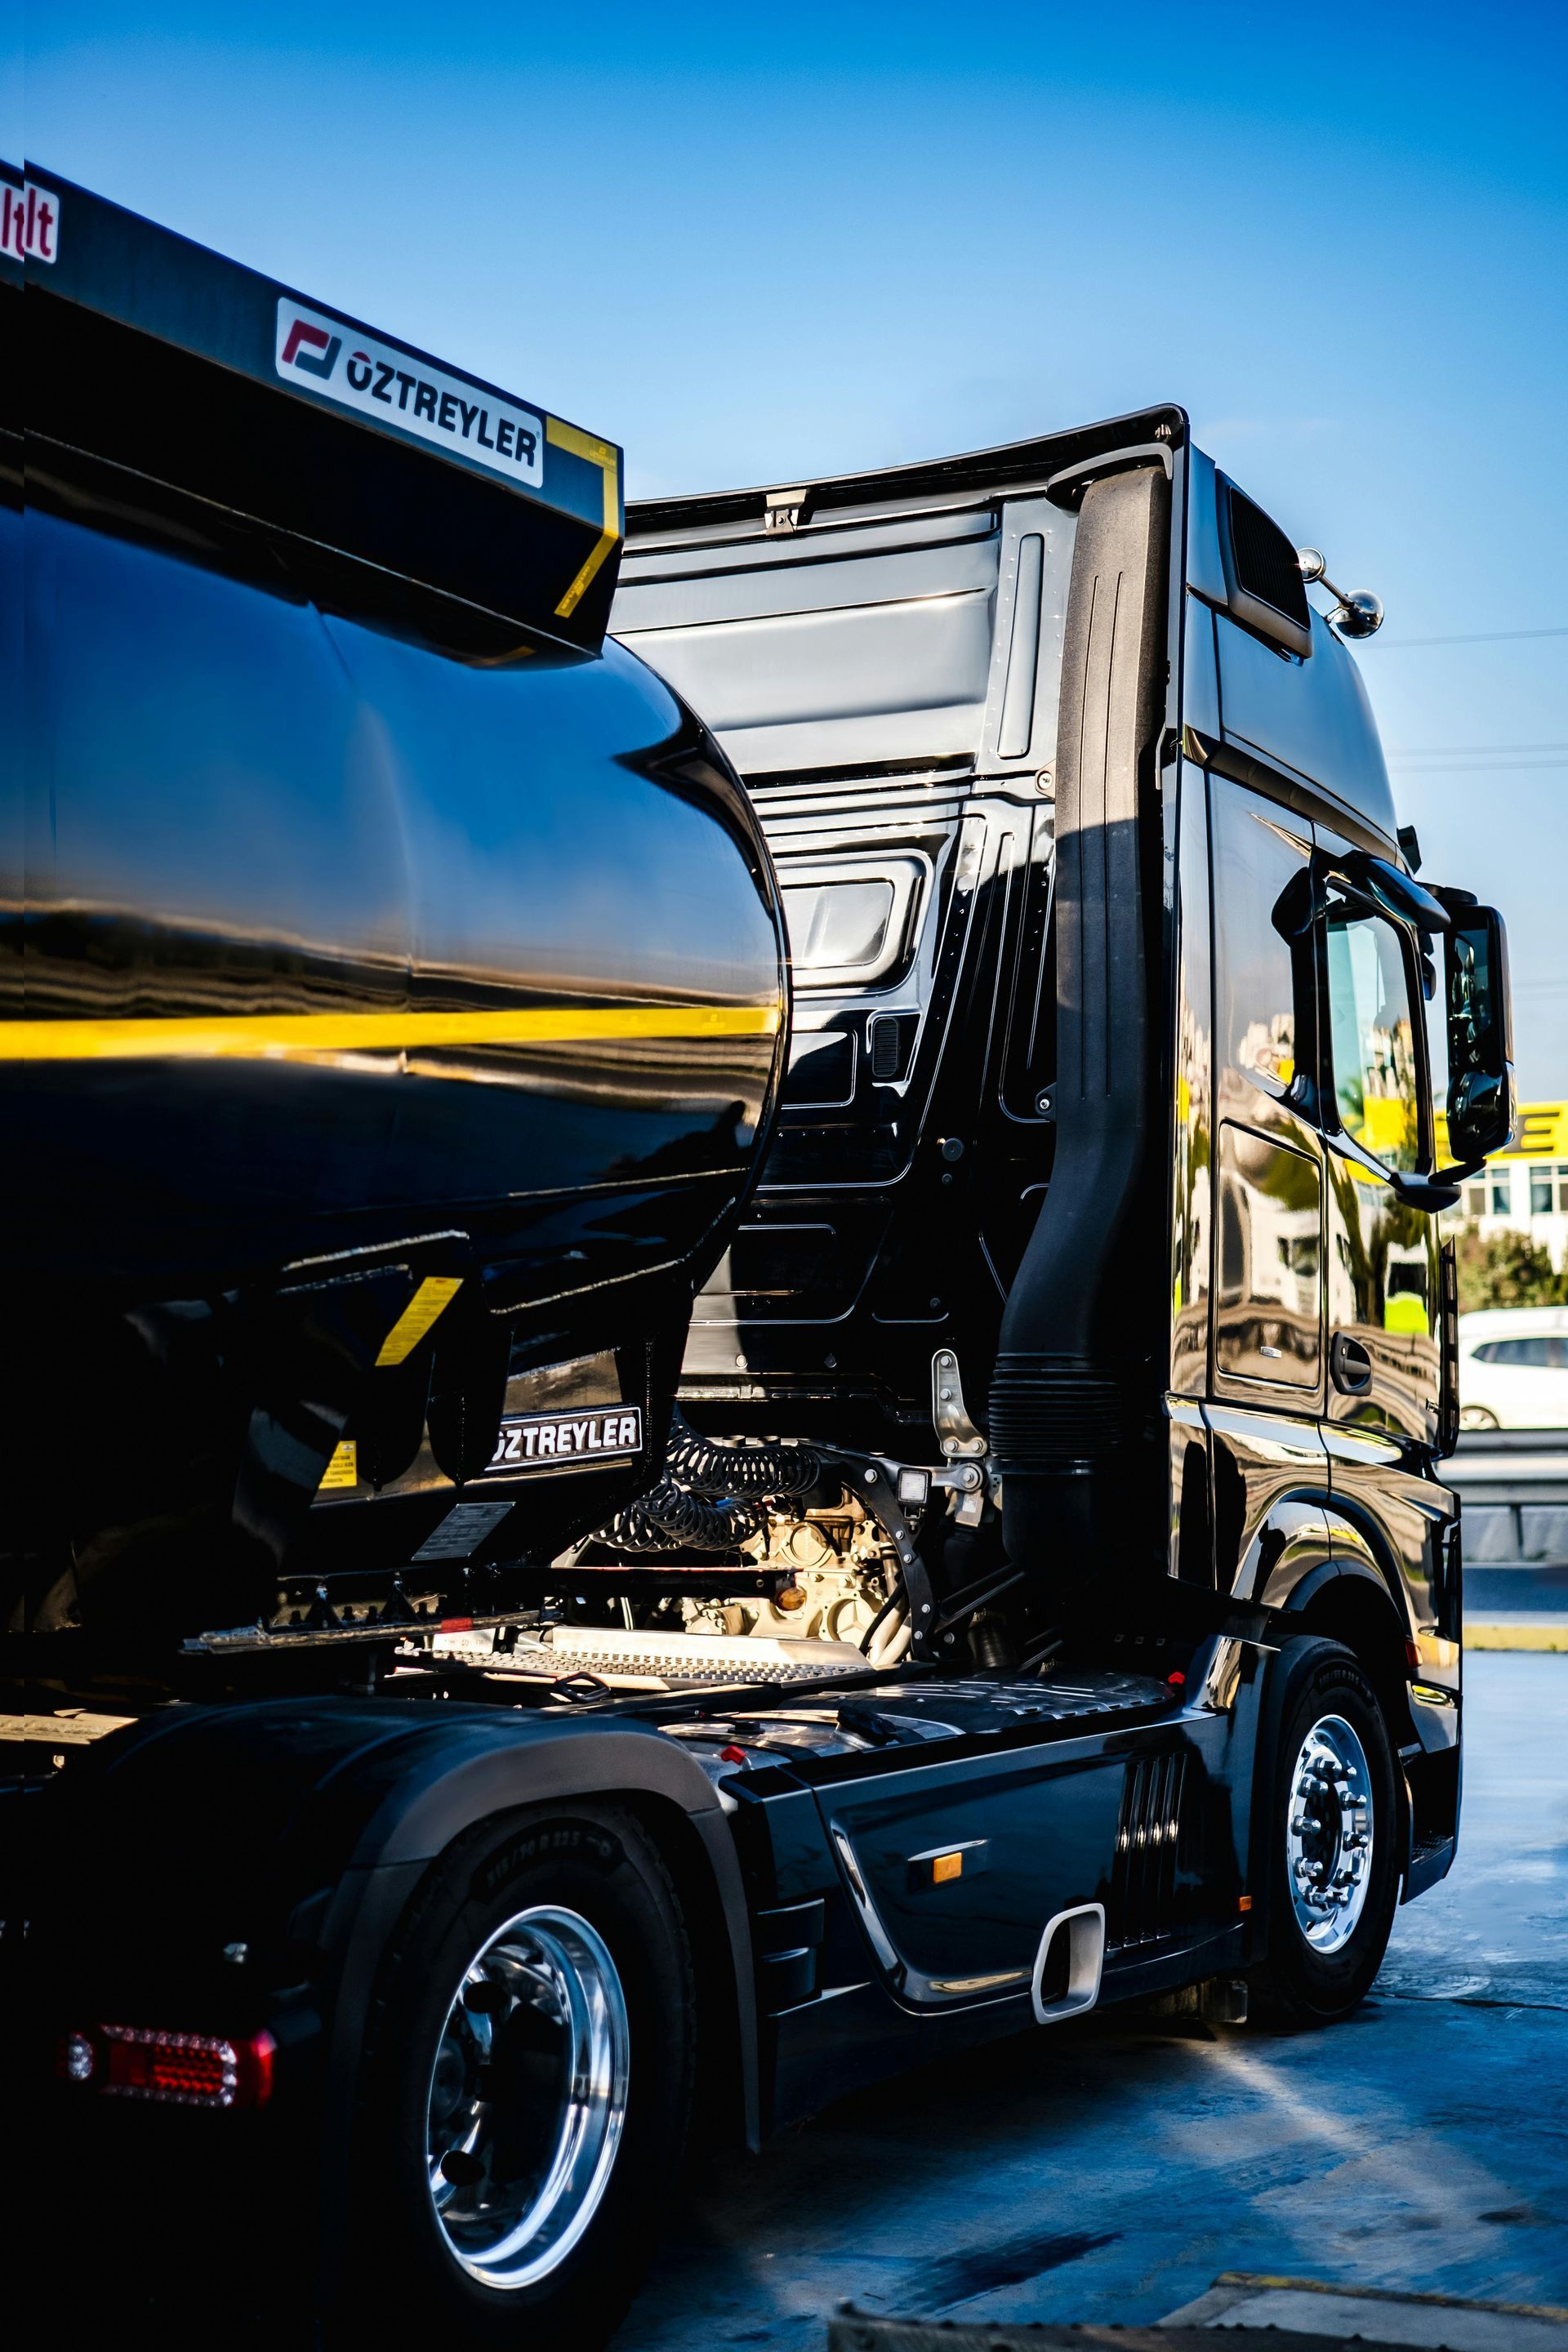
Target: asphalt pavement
x=1110, y=2169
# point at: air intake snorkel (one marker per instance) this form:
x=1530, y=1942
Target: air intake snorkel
x=1071, y=1388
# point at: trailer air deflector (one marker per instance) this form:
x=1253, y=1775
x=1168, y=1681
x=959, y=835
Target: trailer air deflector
x=464, y=486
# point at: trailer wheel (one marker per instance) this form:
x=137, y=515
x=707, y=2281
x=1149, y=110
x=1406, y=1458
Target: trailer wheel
x=527, y=2082
x=1332, y=1838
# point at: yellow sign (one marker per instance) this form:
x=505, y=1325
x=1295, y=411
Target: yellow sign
x=342, y=1470
x=1542, y=1133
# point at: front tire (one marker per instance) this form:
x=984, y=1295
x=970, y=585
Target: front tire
x=527, y=2084
x=1331, y=1838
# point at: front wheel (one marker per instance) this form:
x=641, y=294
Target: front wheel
x=1331, y=1831
x=1478, y=1416
x=526, y=2089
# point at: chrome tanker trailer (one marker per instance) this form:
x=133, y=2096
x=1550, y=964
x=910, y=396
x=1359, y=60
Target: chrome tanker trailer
x=601, y=1518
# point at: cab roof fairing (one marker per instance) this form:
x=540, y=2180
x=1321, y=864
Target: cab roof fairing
x=1008, y=468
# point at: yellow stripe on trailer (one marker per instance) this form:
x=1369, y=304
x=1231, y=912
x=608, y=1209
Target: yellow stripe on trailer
x=305, y=1036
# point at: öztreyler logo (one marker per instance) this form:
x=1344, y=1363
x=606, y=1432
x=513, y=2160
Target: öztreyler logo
x=392, y=387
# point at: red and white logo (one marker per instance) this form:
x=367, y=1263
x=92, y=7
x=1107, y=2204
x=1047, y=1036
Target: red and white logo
x=29, y=223
x=311, y=348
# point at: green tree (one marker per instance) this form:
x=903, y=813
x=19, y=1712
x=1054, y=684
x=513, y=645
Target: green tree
x=1507, y=1269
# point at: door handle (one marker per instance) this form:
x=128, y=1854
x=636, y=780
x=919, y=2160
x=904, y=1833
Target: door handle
x=1350, y=1365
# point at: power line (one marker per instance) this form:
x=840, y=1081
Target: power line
x=1478, y=759
x=1480, y=637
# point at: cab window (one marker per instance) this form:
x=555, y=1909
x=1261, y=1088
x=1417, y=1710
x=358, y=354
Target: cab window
x=1372, y=1037
x=1261, y=860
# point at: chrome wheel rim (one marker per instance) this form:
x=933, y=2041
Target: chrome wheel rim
x=1328, y=1834
x=528, y=2097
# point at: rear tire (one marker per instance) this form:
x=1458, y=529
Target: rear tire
x=1331, y=1834
x=526, y=2089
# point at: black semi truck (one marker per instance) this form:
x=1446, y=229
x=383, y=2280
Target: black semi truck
x=731, y=1350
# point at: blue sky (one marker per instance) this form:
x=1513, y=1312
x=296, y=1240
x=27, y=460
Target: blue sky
x=754, y=245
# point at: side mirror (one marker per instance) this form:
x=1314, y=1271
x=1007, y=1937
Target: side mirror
x=1481, y=1111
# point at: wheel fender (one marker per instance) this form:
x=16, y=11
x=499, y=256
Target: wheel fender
x=1333, y=1571
x=448, y=1782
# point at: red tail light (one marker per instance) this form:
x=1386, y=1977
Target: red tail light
x=180, y=2070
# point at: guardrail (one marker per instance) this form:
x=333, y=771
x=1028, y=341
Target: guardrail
x=1513, y=1483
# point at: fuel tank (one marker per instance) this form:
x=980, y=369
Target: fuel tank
x=395, y=984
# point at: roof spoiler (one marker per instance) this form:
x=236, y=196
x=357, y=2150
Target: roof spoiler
x=1059, y=465
x=155, y=355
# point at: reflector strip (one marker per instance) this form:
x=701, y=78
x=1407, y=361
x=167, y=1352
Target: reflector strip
x=434, y=1293
x=311, y=1036
x=599, y=453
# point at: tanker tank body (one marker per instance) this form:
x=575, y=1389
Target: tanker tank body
x=394, y=979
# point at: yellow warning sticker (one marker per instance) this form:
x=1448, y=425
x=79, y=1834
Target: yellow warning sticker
x=436, y=1292
x=342, y=1470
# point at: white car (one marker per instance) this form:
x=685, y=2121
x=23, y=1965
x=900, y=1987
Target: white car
x=1513, y=1368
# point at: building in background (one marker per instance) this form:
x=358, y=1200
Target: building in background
x=1525, y=1189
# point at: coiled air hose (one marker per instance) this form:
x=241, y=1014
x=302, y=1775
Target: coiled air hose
x=669, y=1515
x=709, y=1467
x=710, y=1496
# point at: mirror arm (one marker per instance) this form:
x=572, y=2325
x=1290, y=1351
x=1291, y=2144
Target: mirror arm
x=1429, y=1193
x=1395, y=893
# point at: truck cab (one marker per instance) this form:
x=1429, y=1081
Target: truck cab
x=1106, y=1157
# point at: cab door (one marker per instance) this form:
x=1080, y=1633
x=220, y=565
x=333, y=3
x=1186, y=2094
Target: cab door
x=1268, y=1338
x=1270, y=1466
